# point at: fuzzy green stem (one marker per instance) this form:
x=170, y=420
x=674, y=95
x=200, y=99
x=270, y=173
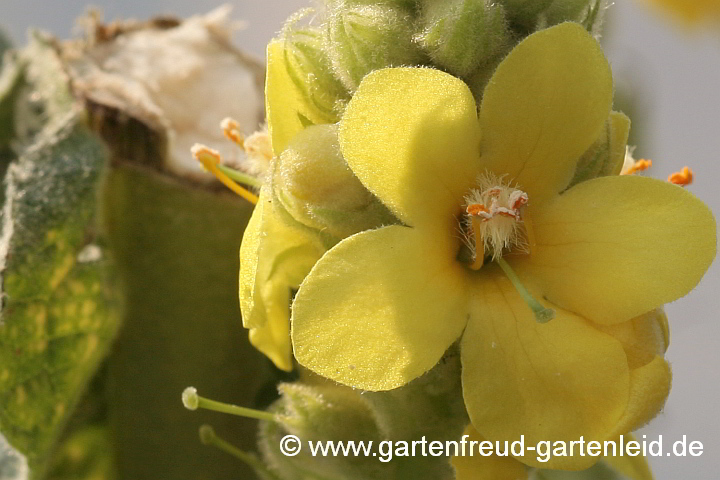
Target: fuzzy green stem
x=193, y=401
x=208, y=437
x=542, y=314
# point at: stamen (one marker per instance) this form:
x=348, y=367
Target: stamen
x=231, y=130
x=682, y=178
x=638, y=166
x=192, y=401
x=240, y=177
x=476, y=209
x=208, y=437
x=479, y=259
x=211, y=160
x=542, y=314
x=494, y=218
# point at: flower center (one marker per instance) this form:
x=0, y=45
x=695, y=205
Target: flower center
x=494, y=219
x=494, y=224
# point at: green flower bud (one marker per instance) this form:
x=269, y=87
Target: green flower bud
x=567, y=10
x=607, y=154
x=480, y=78
x=408, y=4
x=525, y=12
x=461, y=35
x=321, y=413
x=315, y=185
x=327, y=412
x=311, y=71
x=429, y=407
x=369, y=37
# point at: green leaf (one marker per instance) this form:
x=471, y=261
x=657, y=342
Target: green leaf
x=58, y=314
x=11, y=82
x=176, y=249
x=85, y=455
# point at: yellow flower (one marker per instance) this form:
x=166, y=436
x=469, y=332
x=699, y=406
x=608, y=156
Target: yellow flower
x=277, y=252
x=381, y=307
x=275, y=256
x=691, y=11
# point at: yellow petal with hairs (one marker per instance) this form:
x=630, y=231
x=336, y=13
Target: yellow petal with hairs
x=479, y=467
x=274, y=259
x=555, y=381
x=545, y=105
x=380, y=308
x=411, y=136
x=614, y=248
x=287, y=110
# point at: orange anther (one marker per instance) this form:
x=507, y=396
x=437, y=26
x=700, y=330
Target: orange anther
x=476, y=208
x=520, y=202
x=231, y=130
x=638, y=166
x=683, y=178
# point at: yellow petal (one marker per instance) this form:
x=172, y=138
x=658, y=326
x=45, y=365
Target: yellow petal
x=619, y=131
x=479, y=467
x=613, y=248
x=287, y=109
x=249, y=257
x=411, y=136
x=274, y=259
x=380, y=308
x=643, y=338
x=649, y=388
x=634, y=468
x=555, y=381
x=545, y=105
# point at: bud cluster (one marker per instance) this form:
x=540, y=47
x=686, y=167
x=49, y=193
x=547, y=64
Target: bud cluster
x=467, y=38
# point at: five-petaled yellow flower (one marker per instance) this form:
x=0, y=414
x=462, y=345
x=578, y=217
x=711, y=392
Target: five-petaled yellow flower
x=381, y=307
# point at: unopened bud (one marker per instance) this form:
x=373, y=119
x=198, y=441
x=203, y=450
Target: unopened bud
x=607, y=154
x=567, y=11
x=525, y=12
x=325, y=412
x=368, y=37
x=314, y=183
x=407, y=4
x=462, y=35
x=311, y=71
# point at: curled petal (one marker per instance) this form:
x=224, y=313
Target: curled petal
x=275, y=256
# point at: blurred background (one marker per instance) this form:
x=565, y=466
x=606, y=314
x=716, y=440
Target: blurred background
x=666, y=73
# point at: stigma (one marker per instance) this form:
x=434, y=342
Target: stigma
x=494, y=219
